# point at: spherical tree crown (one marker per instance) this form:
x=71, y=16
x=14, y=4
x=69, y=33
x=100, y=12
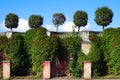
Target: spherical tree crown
x=80, y=18
x=11, y=21
x=35, y=21
x=103, y=16
x=58, y=19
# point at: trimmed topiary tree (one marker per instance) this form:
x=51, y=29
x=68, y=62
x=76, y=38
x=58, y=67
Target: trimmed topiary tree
x=80, y=19
x=11, y=21
x=58, y=19
x=103, y=16
x=35, y=21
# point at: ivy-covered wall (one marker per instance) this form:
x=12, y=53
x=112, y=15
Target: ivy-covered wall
x=104, y=53
x=111, y=49
x=28, y=51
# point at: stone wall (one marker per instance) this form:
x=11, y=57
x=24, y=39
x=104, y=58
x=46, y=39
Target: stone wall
x=86, y=47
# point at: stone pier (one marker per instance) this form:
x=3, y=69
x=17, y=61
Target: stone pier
x=87, y=70
x=6, y=69
x=46, y=70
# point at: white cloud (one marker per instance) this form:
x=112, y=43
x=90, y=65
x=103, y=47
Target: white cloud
x=67, y=27
x=50, y=27
x=22, y=26
x=3, y=28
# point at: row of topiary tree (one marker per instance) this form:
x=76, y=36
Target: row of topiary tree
x=103, y=17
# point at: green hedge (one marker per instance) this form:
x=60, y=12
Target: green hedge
x=73, y=45
x=105, y=52
x=40, y=47
x=95, y=54
x=16, y=53
x=3, y=44
x=35, y=46
x=112, y=50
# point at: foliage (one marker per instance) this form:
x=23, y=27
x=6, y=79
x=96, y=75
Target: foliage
x=3, y=42
x=81, y=59
x=80, y=19
x=62, y=51
x=35, y=21
x=103, y=16
x=40, y=47
x=58, y=19
x=45, y=50
x=115, y=61
x=29, y=37
x=31, y=34
x=17, y=55
x=11, y=21
x=3, y=45
x=73, y=46
x=111, y=50
x=95, y=55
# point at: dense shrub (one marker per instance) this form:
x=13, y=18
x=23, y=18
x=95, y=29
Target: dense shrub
x=29, y=37
x=15, y=52
x=30, y=51
x=3, y=44
x=32, y=34
x=111, y=50
x=62, y=49
x=45, y=49
x=73, y=45
x=95, y=55
x=80, y=61
x=40, y=48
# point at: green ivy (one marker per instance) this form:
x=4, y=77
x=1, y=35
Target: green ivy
x=73, y=45
x=3, y=43
x=113, y=47
x=16, y=53
x=95, y=55
x=40, y=48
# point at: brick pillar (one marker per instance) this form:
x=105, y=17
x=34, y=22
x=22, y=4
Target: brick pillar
x=46, y=70
x=6, y=69
x=87, y=70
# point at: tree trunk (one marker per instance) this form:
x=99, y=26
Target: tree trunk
x=103, y=27
x=11, y=29
x=78, y=29
x=56, y=28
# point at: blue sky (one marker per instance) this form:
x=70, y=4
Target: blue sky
x=46, y=8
